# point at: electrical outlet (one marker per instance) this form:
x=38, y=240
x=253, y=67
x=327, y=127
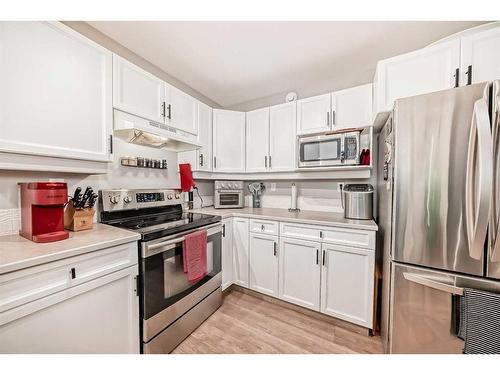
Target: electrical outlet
x=273, y=186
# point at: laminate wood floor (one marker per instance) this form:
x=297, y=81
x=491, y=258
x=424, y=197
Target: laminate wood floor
x=245, y=324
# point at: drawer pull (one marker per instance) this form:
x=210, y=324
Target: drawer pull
x=317, y=256
x=275, y=249
x=320, y=234
x=324, y=257
x=73, y=273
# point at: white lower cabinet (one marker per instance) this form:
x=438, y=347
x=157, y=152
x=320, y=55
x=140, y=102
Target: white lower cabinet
x=240, y=251
x=347, y=282
x=87, y=304
x=263, y=262
x=227, y=252
x=300, y=271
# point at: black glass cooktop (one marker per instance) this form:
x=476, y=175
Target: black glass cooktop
x=159, y=224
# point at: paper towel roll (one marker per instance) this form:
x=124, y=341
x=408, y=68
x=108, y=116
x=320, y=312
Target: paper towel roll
x=293, y=203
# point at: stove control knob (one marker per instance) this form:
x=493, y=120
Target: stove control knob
x=169, y=197
x=127, y=199
x=113, y=199
x=177, y=196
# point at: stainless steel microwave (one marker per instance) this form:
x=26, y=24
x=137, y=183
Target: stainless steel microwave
x=328, y=149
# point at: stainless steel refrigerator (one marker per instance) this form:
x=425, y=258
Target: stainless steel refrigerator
x=438, y=212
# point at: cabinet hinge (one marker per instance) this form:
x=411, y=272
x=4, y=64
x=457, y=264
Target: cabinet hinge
x=111, y=143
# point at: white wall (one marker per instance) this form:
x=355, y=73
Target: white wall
x=118, y=176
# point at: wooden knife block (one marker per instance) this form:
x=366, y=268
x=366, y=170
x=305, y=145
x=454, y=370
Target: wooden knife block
x=77, y=220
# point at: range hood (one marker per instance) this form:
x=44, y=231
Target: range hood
x=137, y=130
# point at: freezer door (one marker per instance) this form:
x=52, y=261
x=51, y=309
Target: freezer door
x=422, y=309
x=494, y=229
x=442, y=179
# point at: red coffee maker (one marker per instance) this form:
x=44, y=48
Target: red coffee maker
x=42, y=211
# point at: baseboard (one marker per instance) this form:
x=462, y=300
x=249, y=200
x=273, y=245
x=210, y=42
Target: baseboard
x=330, y=319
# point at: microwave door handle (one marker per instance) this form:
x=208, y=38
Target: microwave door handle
x=477, y=220
x=495, y=214
x=430, y=283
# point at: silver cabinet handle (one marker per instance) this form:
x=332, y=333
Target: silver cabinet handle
x=275, y=249
x=333, y=117
x=270, y=162
x=477, y=220
x=265, y=161
x=429, y=282
x=317, y=256
x=163, y=105
x=328, y=119
x=215, y=162
x=169, y=111
x=324, y=257
x=201, y=160
x=495, y=217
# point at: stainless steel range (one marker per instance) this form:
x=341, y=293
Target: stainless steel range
x=171, y=307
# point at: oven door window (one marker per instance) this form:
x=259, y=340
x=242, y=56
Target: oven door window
x=320, y=150
x=164, y=280
x=229, y=199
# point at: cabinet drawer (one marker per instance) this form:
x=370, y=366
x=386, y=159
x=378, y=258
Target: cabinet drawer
x=349, y=237
x=334, y=235
x=20, y=287
x=303, y=231
x=264, y=226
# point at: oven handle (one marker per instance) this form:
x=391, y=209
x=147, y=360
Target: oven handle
x=155, y=248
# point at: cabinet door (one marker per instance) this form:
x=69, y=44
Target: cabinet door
x=204, y=137
x=201, y=159
x=347, y=282
x=264, y=263
x=419, y=72
x=240, y=251
x=300, y=272
x=100, y=316
x=313, y=114
x=55, y=92
x=181, y=111
x=229, y=141
x=137, y=92
x=352, y=107
x=257, y=140
x=227, y=253
x=282, y=142
x=480, y=51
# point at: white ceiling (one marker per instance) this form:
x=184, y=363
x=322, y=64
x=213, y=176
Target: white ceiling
x=238, y=62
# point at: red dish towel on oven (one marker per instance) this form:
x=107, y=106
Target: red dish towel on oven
x=194, y=255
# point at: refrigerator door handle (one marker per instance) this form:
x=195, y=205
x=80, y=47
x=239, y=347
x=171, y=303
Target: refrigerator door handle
x=495, y=217
x=477, y=216
x=428, y=282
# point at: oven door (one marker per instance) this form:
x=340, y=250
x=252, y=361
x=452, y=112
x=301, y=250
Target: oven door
x=166, y=292
x=320, y=151
x=229, y=199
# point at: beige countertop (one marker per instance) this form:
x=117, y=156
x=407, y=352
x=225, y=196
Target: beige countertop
x=333, y=219
x=17, y=252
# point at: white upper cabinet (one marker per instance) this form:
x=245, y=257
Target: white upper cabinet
x=201, y=159
x=138, y=92
x=419, y=72
x=257, y=140
x=181, y=110
x=204, y=137
x=300, y=272
x=480, y=52
x=352, y=107
x=263, y=263
x=55, y=93
x=313, y=114
x=228, y=141
x=282, y=129
x=347, y=283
